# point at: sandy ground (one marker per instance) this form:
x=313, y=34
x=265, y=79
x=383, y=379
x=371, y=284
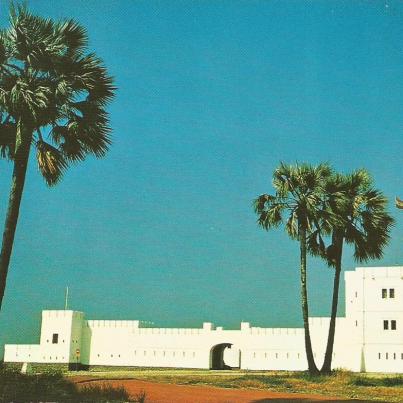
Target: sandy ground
x=167, y=393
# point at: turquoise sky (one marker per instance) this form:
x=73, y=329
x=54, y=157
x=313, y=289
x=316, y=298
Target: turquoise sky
x=212, y=95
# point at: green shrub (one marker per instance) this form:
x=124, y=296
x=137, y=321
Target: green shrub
x=18, y=387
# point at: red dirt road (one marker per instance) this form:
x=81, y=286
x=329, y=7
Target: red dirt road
x=168, y=393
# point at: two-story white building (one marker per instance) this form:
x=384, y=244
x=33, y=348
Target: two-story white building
x=369, y=338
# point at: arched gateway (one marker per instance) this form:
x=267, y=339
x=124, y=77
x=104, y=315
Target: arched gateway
x=217, y=359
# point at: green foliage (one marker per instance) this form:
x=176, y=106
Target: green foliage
x=17, y=387
x=55, y=89
x=359, y=217
x=326, y=203
x=384, y=381
x=297, y=199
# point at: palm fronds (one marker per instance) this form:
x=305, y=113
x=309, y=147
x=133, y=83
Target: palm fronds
x=50, y=83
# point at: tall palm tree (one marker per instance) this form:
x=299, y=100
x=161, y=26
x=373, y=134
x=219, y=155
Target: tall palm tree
x=297, y=202
x=362, y=221
x=53, y=95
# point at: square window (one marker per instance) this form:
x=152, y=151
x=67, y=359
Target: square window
x=393, y=324
x=391, y=293
x=385, y=325
x=55, y=338
x=384, y=293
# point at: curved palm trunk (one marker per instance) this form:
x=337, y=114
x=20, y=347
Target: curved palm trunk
x=327, y=363
x=23, y=143
x=312, y=368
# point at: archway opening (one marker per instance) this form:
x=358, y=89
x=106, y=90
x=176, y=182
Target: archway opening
x=217, y=357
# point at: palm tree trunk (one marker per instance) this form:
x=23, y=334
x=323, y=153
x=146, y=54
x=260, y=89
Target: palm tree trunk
x=312, y=368
x=22, y=147
x=327, y=363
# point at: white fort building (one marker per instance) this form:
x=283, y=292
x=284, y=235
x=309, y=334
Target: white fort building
x=369, y=338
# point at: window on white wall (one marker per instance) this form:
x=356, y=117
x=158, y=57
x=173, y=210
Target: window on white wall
x=393, y=324
x=391, y=293
x=55, y=338
x=384, y=293
x=385, y=325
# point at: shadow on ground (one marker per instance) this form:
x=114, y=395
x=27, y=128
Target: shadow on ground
x=288, y=400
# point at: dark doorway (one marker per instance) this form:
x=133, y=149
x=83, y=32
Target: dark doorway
x=217, y=356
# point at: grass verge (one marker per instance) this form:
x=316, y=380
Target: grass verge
x=341, y=384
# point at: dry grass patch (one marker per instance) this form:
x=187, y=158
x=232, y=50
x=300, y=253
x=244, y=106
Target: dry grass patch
x=342, y=384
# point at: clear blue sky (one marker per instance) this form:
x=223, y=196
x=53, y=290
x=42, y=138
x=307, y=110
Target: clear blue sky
x=212, y=95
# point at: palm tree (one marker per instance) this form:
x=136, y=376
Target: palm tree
x=53, y=95
x=362, y=221
x=298, y=196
